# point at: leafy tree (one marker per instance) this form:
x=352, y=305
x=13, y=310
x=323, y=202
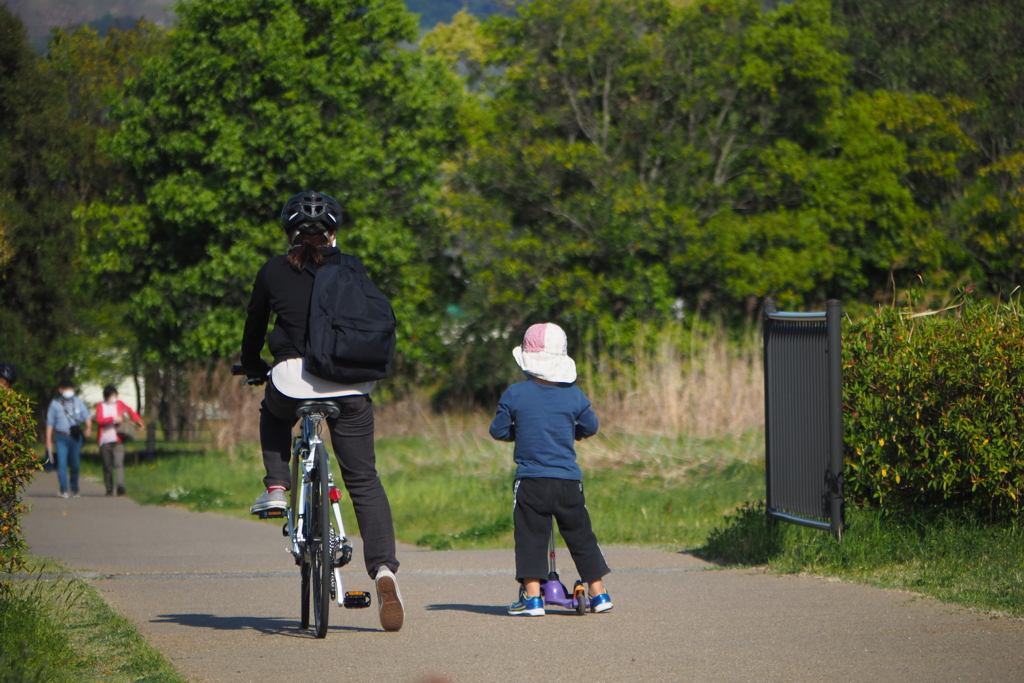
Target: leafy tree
x=35, y=212
x=92, y=70
x=972, y=51
x=633, y=155
x=433, y=11
x=254, y=101
x=54, y=321
x=991, y=220
x=461, y=39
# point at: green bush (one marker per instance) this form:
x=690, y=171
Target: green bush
x=17, y=464
x=934, y=409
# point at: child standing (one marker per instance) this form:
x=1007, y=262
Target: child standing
x=543, y=416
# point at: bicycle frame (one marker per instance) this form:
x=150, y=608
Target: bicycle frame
x=308, y=551
x=304, y=463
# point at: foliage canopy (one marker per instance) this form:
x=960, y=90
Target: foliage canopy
x=701, y=160
x=54, y=319
x=39, y=238
x=256, y=100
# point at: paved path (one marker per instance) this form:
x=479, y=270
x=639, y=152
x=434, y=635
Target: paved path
x=219, y=596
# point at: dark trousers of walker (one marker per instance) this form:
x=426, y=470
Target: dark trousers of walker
x=112, y=454
x=534, y=503
x=352, y=439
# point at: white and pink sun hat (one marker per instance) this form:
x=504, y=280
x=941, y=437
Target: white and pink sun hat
x=545, y=354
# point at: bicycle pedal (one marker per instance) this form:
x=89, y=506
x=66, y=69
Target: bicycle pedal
x=274, y=513
x=356, y=599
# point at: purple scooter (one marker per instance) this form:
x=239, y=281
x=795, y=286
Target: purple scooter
x=554, y=591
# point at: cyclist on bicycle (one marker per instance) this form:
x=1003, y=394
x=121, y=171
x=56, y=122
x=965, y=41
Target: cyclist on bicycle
x=283, y=286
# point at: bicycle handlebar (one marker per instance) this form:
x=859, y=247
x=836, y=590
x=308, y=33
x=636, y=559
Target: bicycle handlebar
x=254, y=378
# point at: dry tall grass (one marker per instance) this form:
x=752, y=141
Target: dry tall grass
x=685, y=383
x=224, y=407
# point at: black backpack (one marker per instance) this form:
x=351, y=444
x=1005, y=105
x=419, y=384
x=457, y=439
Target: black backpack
x=351, y=335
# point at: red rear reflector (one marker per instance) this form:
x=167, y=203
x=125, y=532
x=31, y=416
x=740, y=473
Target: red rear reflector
x=335, y=494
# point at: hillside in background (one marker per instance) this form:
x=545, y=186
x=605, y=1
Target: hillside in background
x=42, y=15
x=433, y=11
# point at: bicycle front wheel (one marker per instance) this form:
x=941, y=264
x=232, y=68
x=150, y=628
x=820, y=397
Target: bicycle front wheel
x=321, y=569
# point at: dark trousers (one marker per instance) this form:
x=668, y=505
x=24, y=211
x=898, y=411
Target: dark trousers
x=112, y=454
x=534, y=503
x=352, y=438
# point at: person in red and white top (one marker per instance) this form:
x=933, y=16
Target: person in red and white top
x=109, y=416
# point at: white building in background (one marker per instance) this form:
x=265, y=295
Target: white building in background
x=93, y=394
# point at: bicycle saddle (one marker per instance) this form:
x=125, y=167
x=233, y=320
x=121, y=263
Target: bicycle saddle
x=327, y=408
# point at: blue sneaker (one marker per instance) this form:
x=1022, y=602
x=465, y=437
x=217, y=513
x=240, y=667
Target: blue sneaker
x=529, y=607
x=602, y=603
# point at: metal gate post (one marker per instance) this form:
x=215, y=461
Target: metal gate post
x=833, y=323
x=769, y=307
x=803, y=373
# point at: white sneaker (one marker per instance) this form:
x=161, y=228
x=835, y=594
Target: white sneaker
x=389, y=600
x=63, y=494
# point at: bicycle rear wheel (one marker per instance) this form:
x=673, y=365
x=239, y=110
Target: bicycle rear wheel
x=321, y=569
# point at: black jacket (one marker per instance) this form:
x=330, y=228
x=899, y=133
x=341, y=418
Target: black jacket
x=279, y=289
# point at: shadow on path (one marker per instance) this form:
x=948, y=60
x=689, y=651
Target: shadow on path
x=40, y=494
x=276, y=626
x=493, y=610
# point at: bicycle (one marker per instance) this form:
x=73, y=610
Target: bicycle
x=318, y=542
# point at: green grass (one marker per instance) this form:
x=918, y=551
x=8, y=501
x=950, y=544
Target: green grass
x=60, y=630
x=953, y=558
x=456, y=491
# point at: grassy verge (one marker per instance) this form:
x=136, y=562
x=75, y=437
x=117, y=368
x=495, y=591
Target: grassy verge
x=951, y=558
x=61, y=630
x=454, y=490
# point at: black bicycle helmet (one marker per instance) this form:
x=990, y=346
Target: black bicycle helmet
x=9, y=372
x=311, y=213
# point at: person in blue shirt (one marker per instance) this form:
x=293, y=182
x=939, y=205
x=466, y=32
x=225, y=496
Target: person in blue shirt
x=67, y=426
x=544, y=416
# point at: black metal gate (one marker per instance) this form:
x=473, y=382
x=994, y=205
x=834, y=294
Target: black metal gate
x=803, y=401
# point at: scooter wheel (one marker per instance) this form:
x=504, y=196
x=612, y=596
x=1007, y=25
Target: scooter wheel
x=579, y=594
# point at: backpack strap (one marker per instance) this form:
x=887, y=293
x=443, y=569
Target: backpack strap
x=71, y=418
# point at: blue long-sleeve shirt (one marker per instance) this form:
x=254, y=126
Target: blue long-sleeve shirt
x=57, y=414
x=544, y=421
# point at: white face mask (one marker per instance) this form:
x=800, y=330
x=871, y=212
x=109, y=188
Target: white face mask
x=112, y=401
x=68, y=393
